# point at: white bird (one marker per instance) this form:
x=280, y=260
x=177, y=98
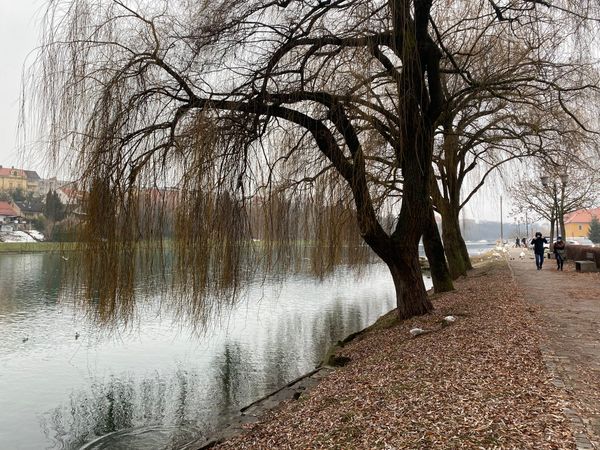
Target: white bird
x=64, y=258
x=416, y=331
x=522, y=255
x=449, y=319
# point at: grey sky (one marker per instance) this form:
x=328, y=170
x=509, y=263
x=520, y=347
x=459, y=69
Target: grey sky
x=19, y=25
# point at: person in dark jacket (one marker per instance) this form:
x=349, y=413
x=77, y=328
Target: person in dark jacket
x=538, y=248
x=559, y=252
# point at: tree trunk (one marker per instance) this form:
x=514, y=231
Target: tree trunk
x=552, y=219
x=434, y=249
x=465, y=252
x=411, y=298
x=454, y=244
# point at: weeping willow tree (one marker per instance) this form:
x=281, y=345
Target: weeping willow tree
x=517, y=93
x=289, y=120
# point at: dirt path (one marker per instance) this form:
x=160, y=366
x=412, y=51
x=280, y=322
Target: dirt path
x=569, y=305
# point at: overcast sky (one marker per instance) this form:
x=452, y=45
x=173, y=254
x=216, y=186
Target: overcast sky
x=19, y=25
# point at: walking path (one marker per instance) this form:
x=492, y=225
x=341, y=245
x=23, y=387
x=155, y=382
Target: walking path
x=569, y=306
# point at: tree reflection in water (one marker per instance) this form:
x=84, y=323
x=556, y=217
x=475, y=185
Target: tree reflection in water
x=170, y=408
x=161, y=384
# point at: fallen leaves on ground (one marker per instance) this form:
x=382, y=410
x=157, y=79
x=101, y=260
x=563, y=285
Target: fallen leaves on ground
x=479, y=383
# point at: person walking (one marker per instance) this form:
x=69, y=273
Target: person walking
x=538, y=248
x=559, y=252
x=517, y=243
x=524, y=243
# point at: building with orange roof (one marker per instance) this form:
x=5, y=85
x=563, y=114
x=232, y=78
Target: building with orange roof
x=8, y=213
x=577, y=224
x=12, y=179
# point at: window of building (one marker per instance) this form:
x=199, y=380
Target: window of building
x=580, y=227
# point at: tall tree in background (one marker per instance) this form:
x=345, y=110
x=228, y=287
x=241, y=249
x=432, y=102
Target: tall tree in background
x=512, y=95
x=594, y=234
x=545, y=202
x=54, y=210
x=336, y=102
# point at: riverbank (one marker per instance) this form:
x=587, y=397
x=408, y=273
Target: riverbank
x=479, y=382
x=31, y=247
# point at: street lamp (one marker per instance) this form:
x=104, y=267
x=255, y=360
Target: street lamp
x=564, y=177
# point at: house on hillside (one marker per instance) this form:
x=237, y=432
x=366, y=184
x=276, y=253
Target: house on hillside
x=50, y=184
x=33, y=181
x=69, y=196
x=9, y=216
x=12, y=179
x=577, y=224
x=31, y=209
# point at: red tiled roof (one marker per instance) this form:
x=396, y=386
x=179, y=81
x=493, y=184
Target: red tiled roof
x=6, y=172
x=70, y=192
x=582, y=216
x=6, y=209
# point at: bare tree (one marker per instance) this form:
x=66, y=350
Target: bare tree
x=507, y=100
x=557, y=197
x=233, y=101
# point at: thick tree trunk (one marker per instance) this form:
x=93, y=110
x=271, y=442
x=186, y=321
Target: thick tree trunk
x=464, y=251
x=456, y=263
x=411, y=298
x=552, y=220
x=454, y=244
x=420, y=103
x=434, y=249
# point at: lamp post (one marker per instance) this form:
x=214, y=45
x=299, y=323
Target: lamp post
x=564, y=177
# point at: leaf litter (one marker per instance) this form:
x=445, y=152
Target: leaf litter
x=478, y=383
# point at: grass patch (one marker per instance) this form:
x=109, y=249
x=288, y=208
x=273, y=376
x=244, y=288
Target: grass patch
x=33, y=247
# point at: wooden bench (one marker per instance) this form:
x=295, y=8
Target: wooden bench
x=589, y=265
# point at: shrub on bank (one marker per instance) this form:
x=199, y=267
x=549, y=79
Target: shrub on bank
x=578, y=253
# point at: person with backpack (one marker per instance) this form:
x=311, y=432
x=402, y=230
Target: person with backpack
x=559, y=252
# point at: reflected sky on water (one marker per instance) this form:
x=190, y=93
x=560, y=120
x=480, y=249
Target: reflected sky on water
x=65, y=383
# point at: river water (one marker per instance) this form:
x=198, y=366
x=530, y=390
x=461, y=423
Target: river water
x=65, y=382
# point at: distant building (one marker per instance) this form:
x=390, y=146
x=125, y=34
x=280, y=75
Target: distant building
x=31, y=209
x=33, y=181
x=69, y=195
x=577, y=224
x=9, y=213
x=13, y=179
x=50, y=184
